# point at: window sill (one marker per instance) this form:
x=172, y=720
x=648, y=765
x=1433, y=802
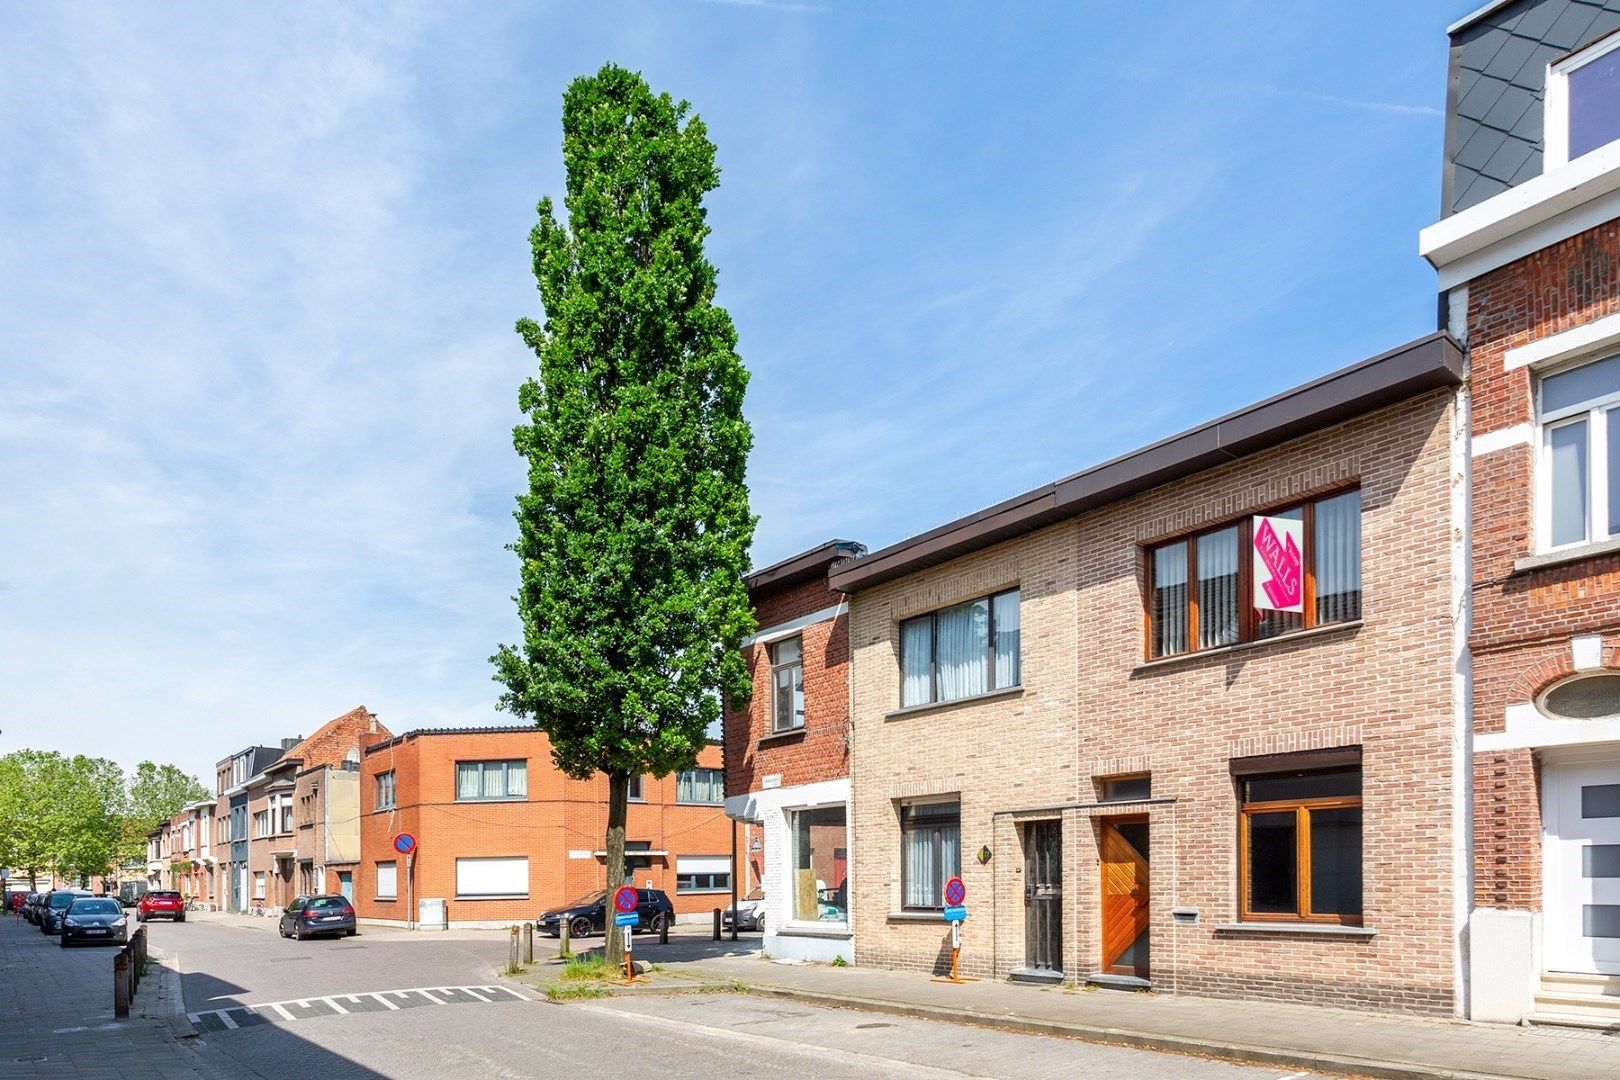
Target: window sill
x=497, y=798
x=386, y=899
x=836, y=931
x=916, y=916
x=704, y=892
x=1303, y=928
x=501, y=896
x=1227, y=650
x=988, y=695
x=781, y=736
x=1564, y=556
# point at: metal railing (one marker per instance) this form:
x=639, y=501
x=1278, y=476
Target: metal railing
x=128, y=965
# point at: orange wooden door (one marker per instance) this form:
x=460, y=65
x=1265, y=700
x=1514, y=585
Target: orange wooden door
x=1125, y=899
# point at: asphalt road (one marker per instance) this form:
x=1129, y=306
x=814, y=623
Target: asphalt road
x=377, y=1006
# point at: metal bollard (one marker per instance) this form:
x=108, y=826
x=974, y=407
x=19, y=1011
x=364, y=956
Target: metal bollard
x=120, y=985
x=512, y=948
x=663, y=931
x=717, y=924
x=562, y=940
x=528, y=943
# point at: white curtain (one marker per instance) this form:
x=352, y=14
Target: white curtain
x=963, y=650
x=1218, y=588
x=467, y=780
x=922, y=869
x=916, y=656
x=1337, y=558
x=517, y=778
x=1005, y=609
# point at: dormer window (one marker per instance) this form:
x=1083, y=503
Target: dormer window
x=1583, y=101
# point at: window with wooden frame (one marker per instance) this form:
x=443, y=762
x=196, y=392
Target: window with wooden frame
x=1252, y=579
x=1300, y=846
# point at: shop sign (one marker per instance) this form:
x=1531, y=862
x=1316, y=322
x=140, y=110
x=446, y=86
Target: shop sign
x=1279, y=564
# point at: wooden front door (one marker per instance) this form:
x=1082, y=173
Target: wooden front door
x=1125, y=897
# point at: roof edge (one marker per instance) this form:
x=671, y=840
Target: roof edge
x=1428, y=363
x=1477, y=14
x=797, y=569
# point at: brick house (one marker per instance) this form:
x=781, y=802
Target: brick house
x=233, y=881
x=1185, y=719
x=306, y=827
x=503, y=835
x=1528, y=255
x=189, y=853
x=787, y=753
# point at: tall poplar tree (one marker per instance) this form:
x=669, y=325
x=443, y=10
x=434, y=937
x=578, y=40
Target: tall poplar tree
x=633, y=535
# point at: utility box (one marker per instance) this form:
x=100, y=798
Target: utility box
x=431, y=915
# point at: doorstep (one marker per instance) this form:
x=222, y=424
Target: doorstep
x=1036, y=976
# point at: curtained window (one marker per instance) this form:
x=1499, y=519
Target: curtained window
x=483, y=780
x=931, y=852
x=961, y=651
x=1264, y=575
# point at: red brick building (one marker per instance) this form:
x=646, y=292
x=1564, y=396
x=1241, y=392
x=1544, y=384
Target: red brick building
x=502, y=834
x=787, y=753
x=1528, y=255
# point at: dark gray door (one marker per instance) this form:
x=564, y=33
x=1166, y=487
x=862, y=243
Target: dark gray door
x=1043, y=895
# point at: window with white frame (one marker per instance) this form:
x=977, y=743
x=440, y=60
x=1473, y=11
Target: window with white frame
x=787, y=684
x=1583, y=102
x=492, y=878
x=702, y=873
x=1580, y=464
x=261, y=823
x=258, y=885
x=477, y=780
x=388, y=880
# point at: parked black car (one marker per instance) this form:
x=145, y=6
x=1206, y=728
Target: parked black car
x=588, y=914
x=30, y=911
x=94, y=919
x=55, y=905
x=311, y=916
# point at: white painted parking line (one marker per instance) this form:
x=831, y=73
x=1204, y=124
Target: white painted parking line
x=437, y=995
x=386, y=1002
x=431, y=998
x=333, y=1002
x=285, y=1015
x=474, y=993
x=225, y=1017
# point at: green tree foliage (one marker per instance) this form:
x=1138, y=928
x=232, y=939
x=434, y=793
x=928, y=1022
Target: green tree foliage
x=634, y=533
x=75, y=815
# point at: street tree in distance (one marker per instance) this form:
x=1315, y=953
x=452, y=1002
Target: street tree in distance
x=156, y=794
x=633, y=535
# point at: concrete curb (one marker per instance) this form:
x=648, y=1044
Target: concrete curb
x=171, y=995
x=1343, y=1064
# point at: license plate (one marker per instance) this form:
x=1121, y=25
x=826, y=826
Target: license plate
x=95, y=931
x=330, y=918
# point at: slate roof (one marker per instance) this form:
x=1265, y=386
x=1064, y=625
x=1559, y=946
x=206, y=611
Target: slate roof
x=1497, y=84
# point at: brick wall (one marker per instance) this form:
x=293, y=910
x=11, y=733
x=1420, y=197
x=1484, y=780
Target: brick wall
x=556, y=827
x=820, y=751
x=1523, y=620
x=1089, y=708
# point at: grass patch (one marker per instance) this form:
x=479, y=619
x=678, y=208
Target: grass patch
x=576, y=993
x=513, y=970
x=591, y=967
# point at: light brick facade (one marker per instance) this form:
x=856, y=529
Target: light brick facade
x=1089, y=707
x=559, y=827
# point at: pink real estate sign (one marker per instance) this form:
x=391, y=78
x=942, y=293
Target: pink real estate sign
x=1279, y=564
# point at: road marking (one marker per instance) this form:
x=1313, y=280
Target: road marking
x=221, y=1019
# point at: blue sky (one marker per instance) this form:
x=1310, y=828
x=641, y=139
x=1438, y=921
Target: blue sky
x=259, y=267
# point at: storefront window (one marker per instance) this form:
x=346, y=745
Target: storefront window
x=820, y=865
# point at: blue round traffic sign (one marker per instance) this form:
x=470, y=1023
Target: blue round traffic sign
x=625, y=900
x=404, y=843
x=955, y=892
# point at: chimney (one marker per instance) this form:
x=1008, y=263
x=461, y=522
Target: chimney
x=288, y=744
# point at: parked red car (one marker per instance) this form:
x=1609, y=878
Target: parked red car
x=161, y=903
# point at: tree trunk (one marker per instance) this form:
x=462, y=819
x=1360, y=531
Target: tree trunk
x=618, y=799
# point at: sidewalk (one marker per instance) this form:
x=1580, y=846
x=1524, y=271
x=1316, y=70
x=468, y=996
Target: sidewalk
x=56, y=1016
x=1292, y=1036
